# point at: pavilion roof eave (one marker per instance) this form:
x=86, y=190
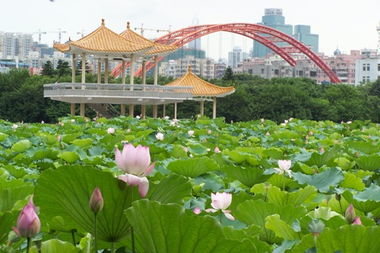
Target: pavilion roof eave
x=79, y=50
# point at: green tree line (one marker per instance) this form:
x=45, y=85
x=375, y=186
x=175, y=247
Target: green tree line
x=277, y=99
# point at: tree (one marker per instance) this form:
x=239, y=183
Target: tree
x=48, y=69
x=228, y=74
x=63, y=68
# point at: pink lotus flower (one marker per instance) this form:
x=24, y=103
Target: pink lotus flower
x=357, y=221
x=111, y=130
x=217, y=150
x=197, y=210
x=221, y=201
x=96, y=201
x=136, y=163
x=28, y=223
x=284, y=166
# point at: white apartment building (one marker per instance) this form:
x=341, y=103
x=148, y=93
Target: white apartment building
x=367, y=70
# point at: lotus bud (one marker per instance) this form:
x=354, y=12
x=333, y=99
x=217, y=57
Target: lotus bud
x=28, y=223
x=338, y=196
x=96, y=201
x=350, y=214
x=357, y=221
x=316, y=227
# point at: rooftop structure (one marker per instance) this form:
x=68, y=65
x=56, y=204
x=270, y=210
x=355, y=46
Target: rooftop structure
x=201, y=89
x=105, y=45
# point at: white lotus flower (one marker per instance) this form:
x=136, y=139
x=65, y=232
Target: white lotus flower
x=221, y=201
x=160, y=136
x=111, y=130
x=284, y=166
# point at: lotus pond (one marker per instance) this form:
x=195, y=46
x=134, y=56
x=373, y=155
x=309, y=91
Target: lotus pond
x=299, y=186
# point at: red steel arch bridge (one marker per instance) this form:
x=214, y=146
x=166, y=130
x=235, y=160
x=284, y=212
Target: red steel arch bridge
x=265, y=35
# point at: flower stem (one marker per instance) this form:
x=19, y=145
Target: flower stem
x=113, y=247
x=27, y=244
x=133, y=240
x=73, y=236
x=95, y=242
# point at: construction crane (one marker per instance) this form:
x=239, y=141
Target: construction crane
x=142, y=29
x=46, y=32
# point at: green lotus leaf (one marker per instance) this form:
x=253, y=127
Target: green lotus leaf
x=349, y=238
x=21, y=146
x=280, y=228
x=83, y=142
x=247, y=175
x=56, y=246
x=171, y=189
x=66, y=191
x=371, y=162
x=193, y=167
x=69, y=156
x=352, y=181
x=7, y=221
x=322, y=181
x=170, y=229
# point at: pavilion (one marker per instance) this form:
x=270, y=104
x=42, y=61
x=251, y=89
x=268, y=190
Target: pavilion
x=105, y=45
x=202, y=90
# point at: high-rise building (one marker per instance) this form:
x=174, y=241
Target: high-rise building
x=272, y=18
x=236, y=56
x=378, y=38
x=275, y=19
x=14, y=45
x=303, y=35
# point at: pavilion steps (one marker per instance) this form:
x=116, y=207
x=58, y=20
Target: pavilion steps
x=104, y=110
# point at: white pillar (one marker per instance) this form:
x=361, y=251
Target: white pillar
x=163, y=110
x=131, y=70
x=143, y=111
x=131, y=110
x=81, y=110
x=214, y=108
x=175, y=110
x=72, y=109
x=123, y=71
x=82, y=105
x=99, y=71
x=144, y=72
x=106, y=70
x=122, y=110
x=73, y=70
x=83, y=68
x=202, y=107
x=156, y=70
x=155, y=107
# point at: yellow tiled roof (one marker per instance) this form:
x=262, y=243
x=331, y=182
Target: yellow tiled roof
x=200, y=86
x=61, y=47
x=156, y=49
x=105, y=40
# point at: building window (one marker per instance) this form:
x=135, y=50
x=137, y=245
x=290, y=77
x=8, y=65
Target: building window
x=378, y=67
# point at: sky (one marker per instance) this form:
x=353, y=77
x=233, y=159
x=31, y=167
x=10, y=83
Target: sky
x=343, y=24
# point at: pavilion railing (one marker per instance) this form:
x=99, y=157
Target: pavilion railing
x=117, y=90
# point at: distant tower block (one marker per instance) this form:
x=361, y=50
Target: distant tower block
x=378, y=39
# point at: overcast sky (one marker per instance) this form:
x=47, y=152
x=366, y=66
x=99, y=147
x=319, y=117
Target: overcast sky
x=347, y=24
